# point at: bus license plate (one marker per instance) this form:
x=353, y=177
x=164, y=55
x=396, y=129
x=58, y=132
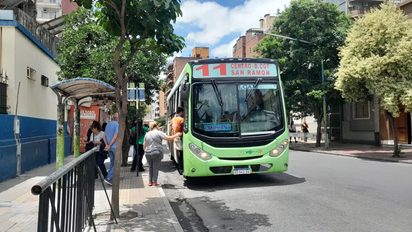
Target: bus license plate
x=241, y=171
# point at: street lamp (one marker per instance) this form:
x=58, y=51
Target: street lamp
x=261, y=31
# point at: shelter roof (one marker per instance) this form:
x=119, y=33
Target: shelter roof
x=84, y=87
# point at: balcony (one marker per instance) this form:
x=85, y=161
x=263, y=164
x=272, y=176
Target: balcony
x=48, y=5
x=37, y=30
x=170, y=83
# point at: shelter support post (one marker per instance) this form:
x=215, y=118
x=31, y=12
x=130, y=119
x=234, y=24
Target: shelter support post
x=76, y=129
x=60, y=134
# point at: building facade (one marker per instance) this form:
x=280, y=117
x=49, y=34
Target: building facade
x=200, y=52
x=365, y=122
x=52, y=9
x=245, y=44
x=406, y=7
x=27, y=59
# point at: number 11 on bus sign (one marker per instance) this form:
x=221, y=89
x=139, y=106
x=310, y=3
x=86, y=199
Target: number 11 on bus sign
x=205, y=69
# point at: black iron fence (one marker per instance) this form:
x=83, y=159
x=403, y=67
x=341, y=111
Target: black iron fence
x=66, y=198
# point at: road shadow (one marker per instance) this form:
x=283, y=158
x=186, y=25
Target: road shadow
x=212, y=184
x=216, y=183
x=230, y=219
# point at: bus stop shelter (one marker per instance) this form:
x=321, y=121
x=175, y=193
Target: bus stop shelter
x=76, y=90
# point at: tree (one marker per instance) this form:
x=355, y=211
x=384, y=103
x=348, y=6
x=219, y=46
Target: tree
x=323, y=25
x=139, y=26
x=377, y=60
x=161, y=121
x=131, y=118
x=86, y=50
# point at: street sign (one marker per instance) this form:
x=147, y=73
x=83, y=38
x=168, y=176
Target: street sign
x=141, y=92
x=131, y=94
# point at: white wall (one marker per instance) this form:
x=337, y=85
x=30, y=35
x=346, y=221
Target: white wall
x=35, y=100
x=311, y=121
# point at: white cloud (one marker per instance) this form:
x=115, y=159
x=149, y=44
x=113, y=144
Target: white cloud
x=217, y=21
x=171, y=58
x=224, y=49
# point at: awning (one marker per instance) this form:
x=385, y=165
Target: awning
x=10, y=3
x=84, y=87
x=54, y=26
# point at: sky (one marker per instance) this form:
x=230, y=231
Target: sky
x=218, y=24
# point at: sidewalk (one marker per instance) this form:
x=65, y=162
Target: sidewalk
x=18, y=206
x=142, y=208
x=356, y=150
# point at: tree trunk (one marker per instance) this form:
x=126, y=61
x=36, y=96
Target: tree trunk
x=122, y=110
x=126, y=145
x=396, y=152
x=318, y=131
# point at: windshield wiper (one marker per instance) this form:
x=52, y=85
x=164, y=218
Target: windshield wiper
x=257, y=82
x=217, y=92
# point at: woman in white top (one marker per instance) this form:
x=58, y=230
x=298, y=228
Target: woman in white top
x=96, y=137
x=154, y=150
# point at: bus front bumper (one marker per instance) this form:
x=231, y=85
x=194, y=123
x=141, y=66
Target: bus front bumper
x=194, y=167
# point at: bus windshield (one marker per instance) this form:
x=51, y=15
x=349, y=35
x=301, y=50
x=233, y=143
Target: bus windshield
x=223, y=113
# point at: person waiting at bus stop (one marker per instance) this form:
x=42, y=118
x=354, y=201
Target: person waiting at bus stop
x=153, y=147
x=176, y=125
x=97, y=140
x=138, y=144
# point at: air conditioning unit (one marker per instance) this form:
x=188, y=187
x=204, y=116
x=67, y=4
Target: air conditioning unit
x=31, y=74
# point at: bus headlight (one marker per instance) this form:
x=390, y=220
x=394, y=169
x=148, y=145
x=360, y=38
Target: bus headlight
x=199, y=153
x=279, y=149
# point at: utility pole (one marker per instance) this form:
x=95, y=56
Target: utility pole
x=135, y=96
x=140, y=96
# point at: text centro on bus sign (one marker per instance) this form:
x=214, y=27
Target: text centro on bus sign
x=235, y=70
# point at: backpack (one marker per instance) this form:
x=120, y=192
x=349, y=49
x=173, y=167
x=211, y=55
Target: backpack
x=102, y=152
x=133, y=138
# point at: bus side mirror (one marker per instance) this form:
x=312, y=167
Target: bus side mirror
x=184, y=93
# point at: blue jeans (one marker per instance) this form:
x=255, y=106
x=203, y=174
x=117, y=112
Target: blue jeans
x=111, y=155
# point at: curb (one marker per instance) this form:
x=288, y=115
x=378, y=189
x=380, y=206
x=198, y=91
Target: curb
x=176, y=224
x=364, y=157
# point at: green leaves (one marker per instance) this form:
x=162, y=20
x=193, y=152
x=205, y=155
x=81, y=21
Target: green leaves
x=322, y=24
x=377, y=59
x=142, y=20
x=87, y=50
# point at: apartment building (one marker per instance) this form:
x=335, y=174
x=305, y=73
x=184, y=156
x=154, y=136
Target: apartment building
x=245, y=44
x=51, y=9
x=28, y=63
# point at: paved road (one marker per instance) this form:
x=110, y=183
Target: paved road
x=318, y=193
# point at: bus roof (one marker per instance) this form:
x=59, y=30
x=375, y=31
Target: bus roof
x=232, y=60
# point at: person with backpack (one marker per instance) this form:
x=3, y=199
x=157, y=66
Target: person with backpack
x=305, y=129
x=137, y=139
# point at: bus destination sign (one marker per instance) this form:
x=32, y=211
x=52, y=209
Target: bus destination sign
x=234, y=70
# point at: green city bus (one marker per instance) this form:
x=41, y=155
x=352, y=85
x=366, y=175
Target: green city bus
x=234, y=117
